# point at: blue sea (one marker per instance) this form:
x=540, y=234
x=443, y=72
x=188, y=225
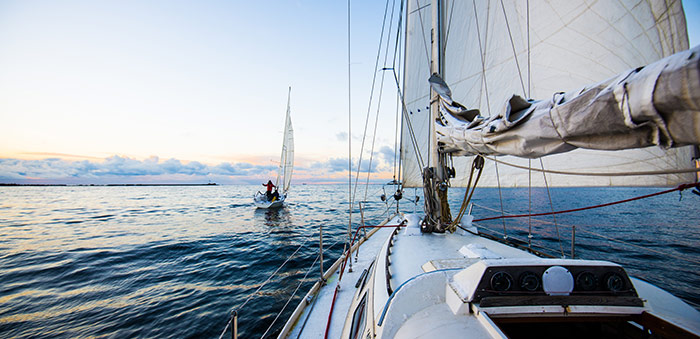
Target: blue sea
x=173, y=261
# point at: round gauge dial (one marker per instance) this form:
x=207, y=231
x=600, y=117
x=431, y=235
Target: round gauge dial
x=529, y=281
x=501, y=281
x=586, y=281
x=614, y=282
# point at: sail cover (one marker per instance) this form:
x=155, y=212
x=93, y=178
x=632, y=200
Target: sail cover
x=657, y=105
x=492, y=51
x=284, y=172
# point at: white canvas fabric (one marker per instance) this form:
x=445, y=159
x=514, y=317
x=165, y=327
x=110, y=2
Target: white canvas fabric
x=284, y=173
x=495, y=50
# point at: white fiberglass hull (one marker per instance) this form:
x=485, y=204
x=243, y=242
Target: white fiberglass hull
x=410, y=284
x=260, y=201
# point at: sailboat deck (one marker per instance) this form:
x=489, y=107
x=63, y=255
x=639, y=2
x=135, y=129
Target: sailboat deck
x=314, y=319
x=408, y=255
x=438, y=321
x=419, y=268
x=411, y=252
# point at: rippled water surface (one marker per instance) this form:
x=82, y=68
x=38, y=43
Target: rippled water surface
x=173, y=261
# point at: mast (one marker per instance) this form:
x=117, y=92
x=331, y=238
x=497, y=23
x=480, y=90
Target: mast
x=435, y=177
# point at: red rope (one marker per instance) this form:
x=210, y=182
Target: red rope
x=679, y=188
x=330, y=314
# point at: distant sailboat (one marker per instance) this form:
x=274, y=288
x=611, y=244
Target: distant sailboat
x=284, y=172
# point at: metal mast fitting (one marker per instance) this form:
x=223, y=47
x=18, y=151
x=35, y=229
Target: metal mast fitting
x=435, y=176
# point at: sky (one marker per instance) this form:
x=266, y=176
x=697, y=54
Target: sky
x=189, y=91
x=141, y=91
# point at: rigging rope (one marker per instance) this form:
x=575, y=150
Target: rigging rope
x=529, y=75
x=404, y=108
x=397, y=151
x=580, y=228
x=396, y=140
x=398, y=35
x=396, y=119
x=500, y=199
x=250, y=296
x=551, y=205
x=407, y=119
x=637, y=246
x=420, y=19
x=350, y=193
x=515, y=55
x=369, y=105
x=293, y=294
x=397, y=48
x=477, y=163
x=679, y=188
x=447, y=31
x=600, y=174
x=483, y=63
x=379, y=100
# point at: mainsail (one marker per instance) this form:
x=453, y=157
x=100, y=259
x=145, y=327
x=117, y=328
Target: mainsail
x=492, y=50
x=284, y=172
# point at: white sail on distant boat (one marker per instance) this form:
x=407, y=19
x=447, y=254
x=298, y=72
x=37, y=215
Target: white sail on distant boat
x=286, y=166
x=595, y=68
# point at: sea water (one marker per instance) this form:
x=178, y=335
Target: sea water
x=172, y=262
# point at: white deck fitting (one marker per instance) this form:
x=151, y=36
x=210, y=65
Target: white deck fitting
x=316, y=324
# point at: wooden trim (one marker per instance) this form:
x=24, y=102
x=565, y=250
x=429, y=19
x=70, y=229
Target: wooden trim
x=560, y=300
x=662, y=327
x=563, y=319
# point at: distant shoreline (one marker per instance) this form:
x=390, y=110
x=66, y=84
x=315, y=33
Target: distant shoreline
x=208, y=184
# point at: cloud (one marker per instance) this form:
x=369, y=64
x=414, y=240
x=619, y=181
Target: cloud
x=387, y=154
x=342, y=136
x=123, y=169
x=340, y=165
x=240, y=169
x=337, y=164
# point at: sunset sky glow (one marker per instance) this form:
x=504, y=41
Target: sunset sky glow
x=190, y=91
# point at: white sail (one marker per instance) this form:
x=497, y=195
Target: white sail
x=284, y=172
x=495, y=50
x=416, y=93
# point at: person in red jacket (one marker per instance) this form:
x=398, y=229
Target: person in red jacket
x=269, y=186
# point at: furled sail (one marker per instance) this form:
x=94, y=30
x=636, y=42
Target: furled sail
x=284, y=173
x=657, y=105
x=492, y=50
